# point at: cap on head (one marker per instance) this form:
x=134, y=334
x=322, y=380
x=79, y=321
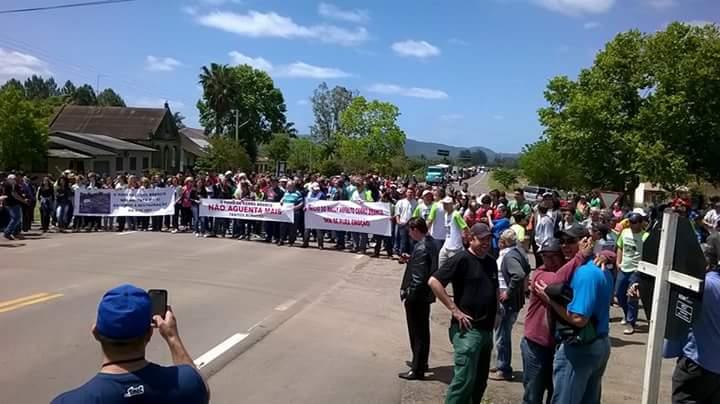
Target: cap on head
x=448, y=200
x=635, y=218
x=426, y=193
x=480, y=230
x=124, y=312
x=574, y=232
x=550, y=245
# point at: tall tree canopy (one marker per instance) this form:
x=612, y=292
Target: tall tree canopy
x=250, y=93
x=109, y=98
x=84, y=95
x=648, y=108
x=328, y=105
x=369, y=135
x=23, y=130
x=224, y=154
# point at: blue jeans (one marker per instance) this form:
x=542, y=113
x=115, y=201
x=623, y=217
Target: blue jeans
x=578, y=372
x=13, y=226
x=503, y=340
x=63, y=210
x=402, y=242
x=629, y=305
x=537, y=371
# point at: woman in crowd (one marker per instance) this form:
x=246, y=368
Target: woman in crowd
x=107, y=221
x=63, y=195
x=46, y=196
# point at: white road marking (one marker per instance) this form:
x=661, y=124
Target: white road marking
x=285, y=305
x=218, y=350
x=126, y=233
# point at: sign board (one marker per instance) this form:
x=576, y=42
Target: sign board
x=352, y=216
x=247, y=210
x=124, y=202
x=609, y=198
x=443, y=153
x=672, y=272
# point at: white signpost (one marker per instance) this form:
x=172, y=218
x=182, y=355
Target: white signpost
x=665, y=276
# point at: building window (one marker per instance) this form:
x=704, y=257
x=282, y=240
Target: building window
x=133, y=163
x=119, y=164
x=145, y=163
x=174, y=152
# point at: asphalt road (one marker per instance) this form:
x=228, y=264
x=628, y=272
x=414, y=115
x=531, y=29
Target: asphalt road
x=49, y=289
x=478, y=184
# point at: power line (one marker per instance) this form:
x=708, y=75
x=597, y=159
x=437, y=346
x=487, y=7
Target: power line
x=59, y=6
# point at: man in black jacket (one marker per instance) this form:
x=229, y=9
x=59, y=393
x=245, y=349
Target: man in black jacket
x=417, y=296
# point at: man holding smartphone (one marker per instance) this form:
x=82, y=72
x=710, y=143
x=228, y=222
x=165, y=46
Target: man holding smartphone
x=124, y=326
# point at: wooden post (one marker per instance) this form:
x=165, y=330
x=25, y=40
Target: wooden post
x=658, y=317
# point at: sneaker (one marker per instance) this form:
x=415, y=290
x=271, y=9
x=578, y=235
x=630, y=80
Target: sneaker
x=174, y=231
x=623, y=322
x=206, y=235
x=9, y=237
x=499, y=376
x=629, y=330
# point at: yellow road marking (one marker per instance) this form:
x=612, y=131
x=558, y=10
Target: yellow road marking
x=21, y=299
x=30, y=302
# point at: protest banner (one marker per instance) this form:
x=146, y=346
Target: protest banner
x=247, y=210
x=124, y=202
x=357, y=217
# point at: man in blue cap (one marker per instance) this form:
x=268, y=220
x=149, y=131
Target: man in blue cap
x=123, y=328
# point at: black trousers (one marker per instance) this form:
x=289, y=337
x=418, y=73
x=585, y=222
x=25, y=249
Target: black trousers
x=691, y=384
x=418, y=321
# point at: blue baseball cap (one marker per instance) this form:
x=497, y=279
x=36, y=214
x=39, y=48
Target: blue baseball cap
x=124, y=312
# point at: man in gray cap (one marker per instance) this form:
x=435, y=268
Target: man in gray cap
x=474, y=276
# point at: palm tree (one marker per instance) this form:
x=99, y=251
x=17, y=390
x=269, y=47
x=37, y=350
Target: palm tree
x=217, y=82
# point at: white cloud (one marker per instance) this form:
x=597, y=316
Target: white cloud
x=303, y=101
x=221, y=2
x=293, y=70
x=451, y=117
x=160, y=64
x=258, y=63
x=255, y=24
x=662, y=4
x=419, y=49
x=574, y=7
x=14, y=64
x=591, y=25
x=417, y=92
x=304, y=70
x=332, y=11
x=152, y=102
x=458, y=41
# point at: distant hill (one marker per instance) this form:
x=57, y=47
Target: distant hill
x=429, y=150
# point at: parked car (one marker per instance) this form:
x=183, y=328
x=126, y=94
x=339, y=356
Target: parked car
x=531, y=192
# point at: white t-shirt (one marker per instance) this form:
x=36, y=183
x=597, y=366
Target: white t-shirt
x=501, y=279
x=454, y=226
x=438, y=231
x=404, y=209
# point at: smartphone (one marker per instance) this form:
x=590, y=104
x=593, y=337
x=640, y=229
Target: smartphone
x=158, y=298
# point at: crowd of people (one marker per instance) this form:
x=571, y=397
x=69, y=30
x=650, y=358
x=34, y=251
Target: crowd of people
x=586, y=260
x=585, y=257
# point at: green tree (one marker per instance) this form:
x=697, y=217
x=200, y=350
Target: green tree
x=251, y=94
x=542, y=164
x=109, y=98
x=478, y=157
x=369, y=135
x=38, y=88
x=14, y=84
x=23, y=131
x=649, y=107
x=328, y=105
x=224, y=154
x=84, y=95
x=179, y=118
x=505, y=177
x=68, y=90
x=278, y=148
x=305, y=155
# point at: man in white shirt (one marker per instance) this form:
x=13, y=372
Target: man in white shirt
x=456, y=231
x=436, y=220
x=403, y=213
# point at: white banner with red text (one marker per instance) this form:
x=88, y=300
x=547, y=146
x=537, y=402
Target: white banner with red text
x=124, y=202
x=356, y=217
x=246, y=210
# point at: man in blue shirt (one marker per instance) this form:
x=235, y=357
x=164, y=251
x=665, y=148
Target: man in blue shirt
x=123, y=328
x=579, y=366
x=696, y=378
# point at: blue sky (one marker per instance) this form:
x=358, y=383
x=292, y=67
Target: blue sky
x=465, y=73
